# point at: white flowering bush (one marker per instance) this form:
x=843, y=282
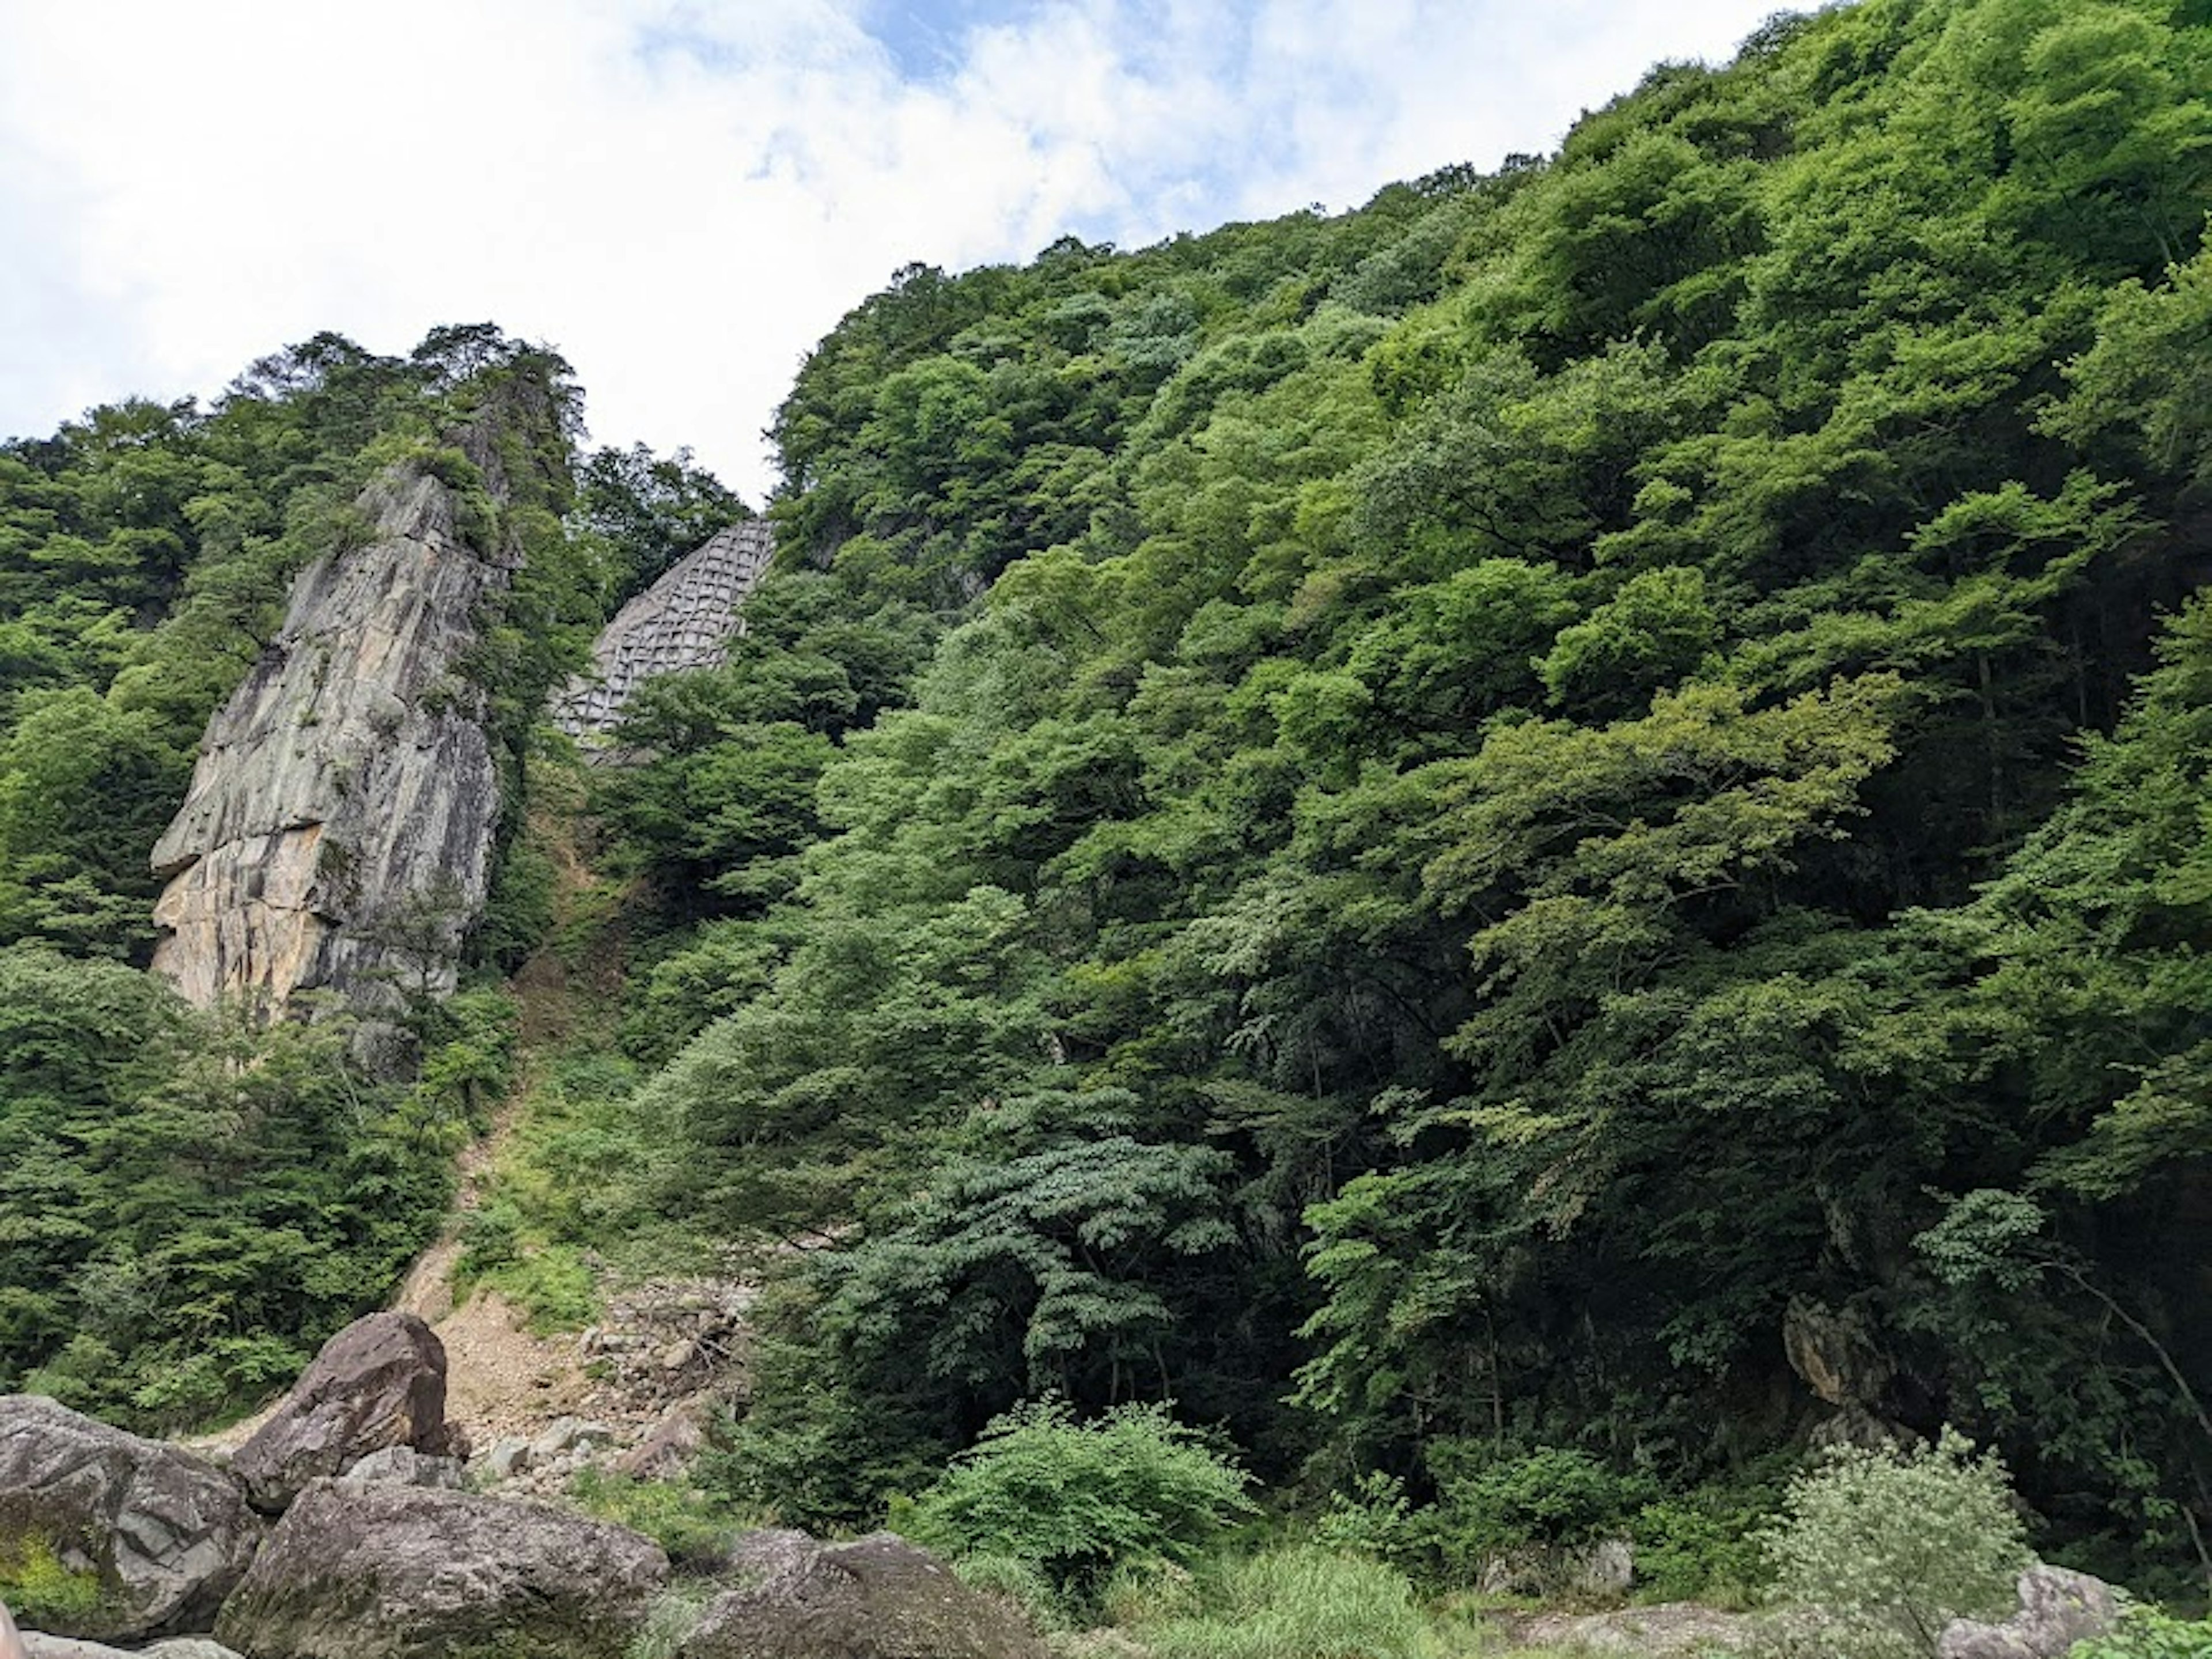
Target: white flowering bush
x=1881, y=1549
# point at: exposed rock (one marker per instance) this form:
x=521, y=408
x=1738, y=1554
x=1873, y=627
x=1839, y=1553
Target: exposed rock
x=508, y=1457
x=668, y=1446
x=39, y=1645
x=1837, y=1353
x=402, y=1572
x=878, y=1598
x=167, y=1534
x=685, y=620
x=1671, y=1630
x=2058, y=1608
x=1582, y=1572
x=567, y=1434
x=378, y=1383
x=403, y=1465
x=337, y=831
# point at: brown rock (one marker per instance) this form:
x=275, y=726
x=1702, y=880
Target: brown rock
x=167, y=1533
x=405, y=1572
x=878, y=1598
x=378, y=1383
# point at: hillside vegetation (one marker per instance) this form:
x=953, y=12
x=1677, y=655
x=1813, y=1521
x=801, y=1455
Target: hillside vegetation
x=1515, y=845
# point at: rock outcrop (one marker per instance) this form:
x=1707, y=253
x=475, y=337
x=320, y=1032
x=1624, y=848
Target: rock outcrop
x=164, y=1534
x=2058, y=1608
x=338, y=832
x=379, y=1383
x=37, y=1644
x=878, y=1598
x=685, y=620
x=358, y=1571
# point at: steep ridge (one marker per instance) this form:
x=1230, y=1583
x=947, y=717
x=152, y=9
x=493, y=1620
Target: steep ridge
x=685, y=620
x=338, y=832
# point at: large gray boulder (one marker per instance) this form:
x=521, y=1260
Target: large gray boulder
x=39, y=1645
x=165, y=1534
x=878, y=1598
x=2058, y=1608
x=357, y=1572
x=378, y=1383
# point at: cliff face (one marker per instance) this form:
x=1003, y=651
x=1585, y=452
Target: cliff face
x=338, y=832
x=685, y=620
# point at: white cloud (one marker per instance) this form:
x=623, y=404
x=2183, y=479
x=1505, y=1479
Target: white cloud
x=684, y=195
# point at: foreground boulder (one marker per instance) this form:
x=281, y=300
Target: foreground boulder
x=37, y=1645
x=2058, y=1608
x=378, y=1383
x=161, y=1535
x=879, y=1598
x=372, y=1571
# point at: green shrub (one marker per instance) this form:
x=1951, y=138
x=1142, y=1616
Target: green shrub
x=1890, y=1546
x=1377, y=1519
x=1301, y=1602
x=2148, y=1633
x=42, y=1591
x=1551, y=1495
x=1074, y=1500
x=695, y=1527
x=1703, y=1546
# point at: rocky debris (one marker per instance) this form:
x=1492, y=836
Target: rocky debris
x=641, y=1385
x=403, y=1572
x=403, y=1465
x=337, y=831
x=1669, y=1630
x=685, y=620
x=39, y=1645
x=167, y=1534
x=567, y=1434
x=878, y=1598
x=2058, y=1608
x=378, y=1383
x=668, y=1446
x=1584, y=1572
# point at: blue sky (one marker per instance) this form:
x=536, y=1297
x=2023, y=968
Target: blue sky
x=684, y=195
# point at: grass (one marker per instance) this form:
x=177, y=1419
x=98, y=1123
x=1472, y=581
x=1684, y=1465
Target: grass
x=1297, y=1603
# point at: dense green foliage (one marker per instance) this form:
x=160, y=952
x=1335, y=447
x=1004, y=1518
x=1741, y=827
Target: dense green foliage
x=191, y=1204
x=1440, y=834
x=1529, y=778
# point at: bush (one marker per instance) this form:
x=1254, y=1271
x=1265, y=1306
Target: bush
x=1551, y=1495
x=2147, y=1633
x=695, y=1527
x=1890, y=1546
x=1703, y=1546
x=1074, y=1500
x=1302, y=1603
x=35, y=1583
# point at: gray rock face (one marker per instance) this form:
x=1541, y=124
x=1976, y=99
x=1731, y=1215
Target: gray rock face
x=878, y=1598
x=403, y=1465
x=378, y=1384
x=402, y=1572
x=2058, y=1608
x=1581, y=1571
x=39, y=1645
x=685, y=620
x=338, y=832
x=167, y=1535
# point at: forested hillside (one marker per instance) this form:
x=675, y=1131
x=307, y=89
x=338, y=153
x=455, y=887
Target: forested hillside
x=1553, y=836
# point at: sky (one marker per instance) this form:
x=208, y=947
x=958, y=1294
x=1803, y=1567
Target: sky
x=683, y=196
